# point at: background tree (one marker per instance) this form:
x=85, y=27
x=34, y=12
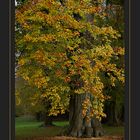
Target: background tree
x=114, y=108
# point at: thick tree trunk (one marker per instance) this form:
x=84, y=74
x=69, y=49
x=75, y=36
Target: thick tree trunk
x=79, y=126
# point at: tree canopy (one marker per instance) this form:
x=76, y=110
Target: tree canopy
x=66, y=47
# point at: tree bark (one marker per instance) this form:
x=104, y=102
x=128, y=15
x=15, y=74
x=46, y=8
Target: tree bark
x=79, y=125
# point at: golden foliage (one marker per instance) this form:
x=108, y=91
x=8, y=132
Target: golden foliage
x=55, y=38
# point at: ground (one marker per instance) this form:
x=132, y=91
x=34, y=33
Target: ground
x=29, y=129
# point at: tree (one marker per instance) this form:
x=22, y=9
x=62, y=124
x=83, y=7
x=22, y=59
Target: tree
x=27, y=102
x=114, y=108
x=63, y=54
x=24, y=95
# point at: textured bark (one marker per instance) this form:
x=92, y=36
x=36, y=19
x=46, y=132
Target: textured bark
x=79, y=126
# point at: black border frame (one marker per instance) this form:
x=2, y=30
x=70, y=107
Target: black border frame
x=7, y=56
x=4, y=74
x=134, y=69
x=127, y=68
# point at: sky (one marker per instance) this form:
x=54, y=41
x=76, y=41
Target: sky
x=15, y=3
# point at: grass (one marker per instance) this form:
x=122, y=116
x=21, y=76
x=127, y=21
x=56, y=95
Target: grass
x=111, y=130
x=28, y=127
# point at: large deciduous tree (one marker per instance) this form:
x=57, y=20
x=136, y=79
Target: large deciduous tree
x=65, y=47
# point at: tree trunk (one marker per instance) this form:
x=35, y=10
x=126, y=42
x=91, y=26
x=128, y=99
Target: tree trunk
x=114, y=116
x=48, y=121
x=79, y=126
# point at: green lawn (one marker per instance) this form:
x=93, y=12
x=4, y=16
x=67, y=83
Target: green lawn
x=110, y=130
x=29, y=127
